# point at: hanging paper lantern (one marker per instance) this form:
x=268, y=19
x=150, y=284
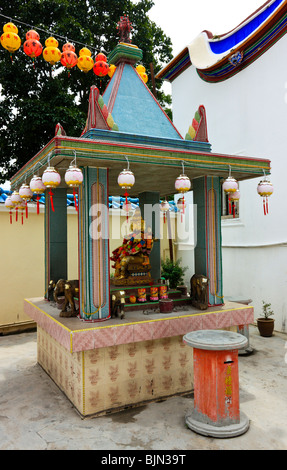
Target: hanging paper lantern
x=234, y=197
x=181, y=206
x=164, y=207
x=142, y=73
x=85, y=61
x=230, y=185
x=74, y=178
x=100, y=57
x=69, y=58
x=182, y=185
x=10, y=39
x=265, y=189
x=51, y=52
x=16, y=200
x=9, y=205
x=25, y=194
x=112, y=70
x=37, y=186
x=101, y=67
x=32, y=46
x=51, y=179
x=126, y=180
x=140, y=69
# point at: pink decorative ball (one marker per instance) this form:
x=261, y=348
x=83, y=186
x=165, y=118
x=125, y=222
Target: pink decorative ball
x=73, y=176
x=230, y=185
x=36, y=185
x=126, y=179
x=51, y=178
x=182, y=183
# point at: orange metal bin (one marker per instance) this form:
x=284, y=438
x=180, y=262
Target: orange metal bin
x=216, y=410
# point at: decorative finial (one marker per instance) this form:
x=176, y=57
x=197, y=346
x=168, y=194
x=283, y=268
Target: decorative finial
x=125, y=27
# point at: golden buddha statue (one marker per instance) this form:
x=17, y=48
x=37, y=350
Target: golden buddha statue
x=131, y=258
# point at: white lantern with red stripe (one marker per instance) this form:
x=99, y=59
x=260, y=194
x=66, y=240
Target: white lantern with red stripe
x=234, y=197
x=164, y=207
x=51, y=179
x=265, y=189
x=230, y=185
x=74, y=178
x=16, y=200
x=26, y=195
x=37, y=187
x=181, y=205
x=182, y=185
x=9, y=205
x=126, y=180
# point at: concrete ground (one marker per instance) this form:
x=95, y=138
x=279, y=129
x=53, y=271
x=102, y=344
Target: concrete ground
x=35, y=415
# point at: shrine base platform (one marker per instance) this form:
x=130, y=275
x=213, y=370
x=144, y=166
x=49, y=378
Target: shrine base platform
x=107, y=366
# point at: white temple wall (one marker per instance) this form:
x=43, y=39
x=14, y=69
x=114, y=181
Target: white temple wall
x=247, y=115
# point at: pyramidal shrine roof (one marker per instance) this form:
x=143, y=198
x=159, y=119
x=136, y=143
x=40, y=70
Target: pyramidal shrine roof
x=127, y=105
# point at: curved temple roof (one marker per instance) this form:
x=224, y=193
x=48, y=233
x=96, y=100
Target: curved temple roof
x=217, y=58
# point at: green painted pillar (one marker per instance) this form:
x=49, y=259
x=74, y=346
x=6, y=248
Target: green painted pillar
x=56, y=237
x=208, y=250
x=150, y=212
x=94, y=261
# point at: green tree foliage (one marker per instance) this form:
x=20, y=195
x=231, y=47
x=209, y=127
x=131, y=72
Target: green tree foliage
x=35, y=98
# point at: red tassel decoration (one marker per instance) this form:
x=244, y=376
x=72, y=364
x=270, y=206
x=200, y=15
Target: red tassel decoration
x=11, y=219
x=264, y=207
x=229, y=206
x=126, y=195
x=267, y=205
x=26, y=210
x=182, y=208
x=22, y=218
x=75, y=199
x=16, y=214
x=51, y=200
x=234, y=211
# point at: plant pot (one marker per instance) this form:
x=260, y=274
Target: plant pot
x=265, y=326
x=165, y=306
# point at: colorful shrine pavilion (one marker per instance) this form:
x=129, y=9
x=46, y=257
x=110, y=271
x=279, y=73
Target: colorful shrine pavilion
x=127, y=124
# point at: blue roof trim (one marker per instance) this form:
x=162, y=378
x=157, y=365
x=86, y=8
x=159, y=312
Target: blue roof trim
x=225, y=44
x=136, y=139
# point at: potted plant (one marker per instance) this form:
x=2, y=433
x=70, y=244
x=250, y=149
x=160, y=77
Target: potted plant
x=265, y=324
x=173, y=272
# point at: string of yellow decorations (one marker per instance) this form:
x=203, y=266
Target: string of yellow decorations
x=10, y=39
